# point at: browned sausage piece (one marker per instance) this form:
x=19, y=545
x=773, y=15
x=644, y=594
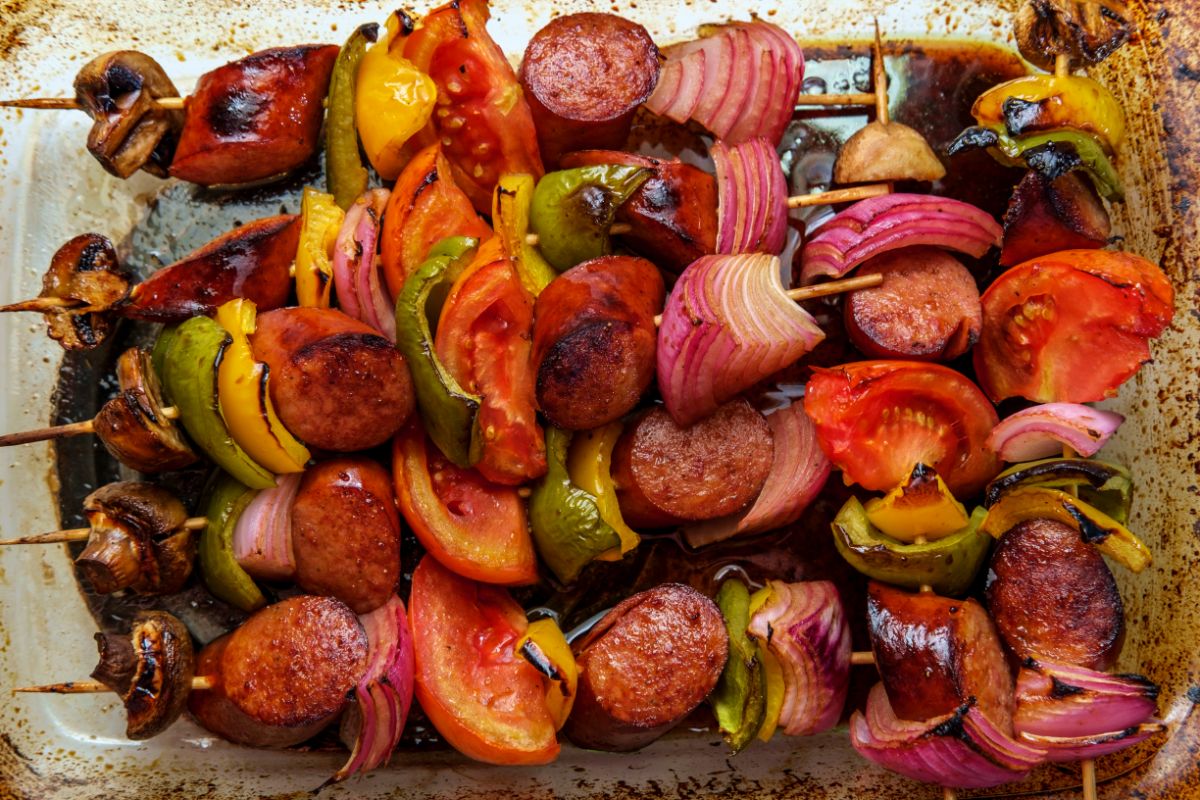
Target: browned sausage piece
x=335, y=382
x=584, y=76
x=664, y=473
x=1053, y=597
x=594, y=340
x=346, y=533
x=927, y=308
x=645, y=666
x=1048, y=216
x=283, y=675
x=934, y=653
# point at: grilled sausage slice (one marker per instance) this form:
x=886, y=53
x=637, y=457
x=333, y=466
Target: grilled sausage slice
x=594, y=340
x=335, y=382
x=645, y=666
x=665, y=473
x=283, y=675
x=935, y=653
x=584, y=76
x=1053, y=597
x=346, y=533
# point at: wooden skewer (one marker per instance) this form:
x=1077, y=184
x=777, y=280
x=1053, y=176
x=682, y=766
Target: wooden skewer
x=861, y=658
x=199, y=683
x=71, y=104
x=948, y=793
x=825, y=289
x=61, y=431
x=881, y=81
x=1062, y=65
x=80, y=534
x=858, y=99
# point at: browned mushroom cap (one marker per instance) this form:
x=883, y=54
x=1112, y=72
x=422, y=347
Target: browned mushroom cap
x=130, y=130
x=1086, y=30
x=132, y=425
x=131, y=544
x=151, y=669
x=887, y=151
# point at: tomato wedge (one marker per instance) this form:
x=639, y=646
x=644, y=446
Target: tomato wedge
x=485, y=340
x=477, y=690
x=482, y=117
x=877, y=419
x=1070, y=327
x=425, y=207
x=473, y=527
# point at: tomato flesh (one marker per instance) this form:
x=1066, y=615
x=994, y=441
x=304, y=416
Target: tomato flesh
x=877, y=419
x=1070, y=327
x=472, y=526
x=480, y=694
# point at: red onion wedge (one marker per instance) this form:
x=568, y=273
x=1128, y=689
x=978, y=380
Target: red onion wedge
x=727, y=325
x=892, y=221
x=360, y=291
x=751, y=198
x=739, y=81
x=1073, y=712
x=963, y=749
x=262, y=536
x=372, y=725
x=804, y=626
x=797, y=476
x=1041, y=431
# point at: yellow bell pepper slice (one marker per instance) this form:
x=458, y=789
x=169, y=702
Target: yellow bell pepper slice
x=772, y=672
x=921, y=507
x=589, y=466
x=1053, y=103
x=392, y=101
x=510, y=218
x=545, y=647
x=244, y=399
x=321, y=219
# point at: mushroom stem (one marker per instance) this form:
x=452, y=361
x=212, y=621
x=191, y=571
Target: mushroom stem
x=42, y=304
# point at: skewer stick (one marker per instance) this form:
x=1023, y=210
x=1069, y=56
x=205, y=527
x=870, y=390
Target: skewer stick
x=861, y=658
x=825, y=289
x=948, y=793
x=80, y=534
x=199, y=683
x=62, y=431
x=859, y=99
x=1062, y=65
x=881, y=81
x=71, y=104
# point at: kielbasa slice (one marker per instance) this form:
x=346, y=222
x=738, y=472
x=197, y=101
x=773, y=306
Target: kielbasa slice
x=1053, y=597
x=346, y=533
x=594, y=340
x=665, y=473
x=283, y=675
x=335, y=382
x=584, y=76
x=927, y=308
x=935, y=653
x=645, y=666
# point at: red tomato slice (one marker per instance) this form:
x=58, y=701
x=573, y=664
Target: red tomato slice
x=485, y=339
x=484, y=697
x=482, y=117
x=473, y=527
x=877, y=419
x=1070, y=327
x=426, y=206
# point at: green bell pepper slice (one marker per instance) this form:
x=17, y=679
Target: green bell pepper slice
x=565, y=520
x=740, y=700
x=511, y=207
x=573, y=210
x=158, y=356
x=189, y=379
x=345, y=175
x=1104, y=486
x=222, y=574
x=948, y=565
x=447, y=409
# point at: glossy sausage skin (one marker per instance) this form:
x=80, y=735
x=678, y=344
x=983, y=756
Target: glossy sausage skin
x=665, y=474
x=255, y=118
x=251, y=261
x=673, y=215
x=594, y=340
x=346, y=533
x=927, y=308
x=283, y=675
x=935, y=653
x=335, y=382
x=1053, y=597
x=584, y=76
x=645, y=666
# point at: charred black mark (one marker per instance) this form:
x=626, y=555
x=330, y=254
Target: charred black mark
x=1187, y=73
x=236, y=112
